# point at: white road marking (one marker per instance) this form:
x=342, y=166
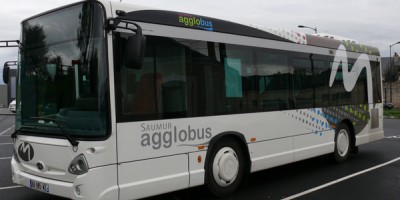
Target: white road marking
x=7, y=130
x=340, y=180
x=393, y=137
x=5, y=158
x=11, y=187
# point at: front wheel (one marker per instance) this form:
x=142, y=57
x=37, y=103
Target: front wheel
x=342, y=144
x=225, y=168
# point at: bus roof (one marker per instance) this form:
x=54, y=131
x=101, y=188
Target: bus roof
x=187, y=20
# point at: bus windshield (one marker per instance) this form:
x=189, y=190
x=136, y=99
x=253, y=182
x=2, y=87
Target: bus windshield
x=63, y=74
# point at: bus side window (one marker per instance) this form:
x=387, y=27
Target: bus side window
x=272, y=71
x=170, y=64
x=148, y=91
x=302, y=83
x=174, y=99
x=322, y=75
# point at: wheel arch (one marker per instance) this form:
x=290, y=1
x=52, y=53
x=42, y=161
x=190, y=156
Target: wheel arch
x=240, y=139
x=349, y=125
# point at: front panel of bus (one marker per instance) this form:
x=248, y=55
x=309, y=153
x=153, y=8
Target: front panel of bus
x=63, y=140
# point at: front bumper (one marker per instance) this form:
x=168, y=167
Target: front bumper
x=58, y=188
x=98, y=183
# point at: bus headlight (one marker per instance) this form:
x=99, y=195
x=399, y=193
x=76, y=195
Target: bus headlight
x=79, y=165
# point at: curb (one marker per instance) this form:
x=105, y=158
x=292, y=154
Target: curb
x=5, y=111
x=391, y=117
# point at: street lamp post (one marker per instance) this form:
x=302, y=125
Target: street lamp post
x=315, y=29
x=390, y=69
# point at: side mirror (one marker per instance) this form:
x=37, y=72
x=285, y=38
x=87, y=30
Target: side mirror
x=135, y=45
x=134, y=51
x=6, y=73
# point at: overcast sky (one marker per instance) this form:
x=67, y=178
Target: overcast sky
x=372, y=22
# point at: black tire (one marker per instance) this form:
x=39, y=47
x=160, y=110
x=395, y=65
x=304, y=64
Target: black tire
x=225, y=150
x=342, y=144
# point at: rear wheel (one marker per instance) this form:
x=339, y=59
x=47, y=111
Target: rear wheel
x=342, y=144
x=225, y=168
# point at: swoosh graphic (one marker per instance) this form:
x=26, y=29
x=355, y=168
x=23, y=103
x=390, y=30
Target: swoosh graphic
x=350, y=78
x=194, y=145
x=205, y=28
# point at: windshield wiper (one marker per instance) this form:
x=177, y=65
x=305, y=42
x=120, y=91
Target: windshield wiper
x=71, y=140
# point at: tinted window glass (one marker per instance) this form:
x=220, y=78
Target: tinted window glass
x=376, y=79
x=302, y=83
x=208, y=78
x=159, y=88
x=359, y=92
x=239, y=70
x=322, y=74
x=63, y=73
x=339, y=96
x=273, y=74
x=188, y=78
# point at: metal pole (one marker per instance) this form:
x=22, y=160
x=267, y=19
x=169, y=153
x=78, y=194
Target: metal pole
x=390, y=73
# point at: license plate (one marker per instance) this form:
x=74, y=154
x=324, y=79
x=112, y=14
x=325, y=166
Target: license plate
x=43, y=187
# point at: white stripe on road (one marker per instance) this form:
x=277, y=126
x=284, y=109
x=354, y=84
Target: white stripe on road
x=11, y=187
x=7, y=130
x=5, y=158
x=393, y=137
x=340, y=180
x=6, y=143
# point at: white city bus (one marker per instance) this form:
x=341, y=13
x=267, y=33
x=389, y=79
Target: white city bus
x=116, y=101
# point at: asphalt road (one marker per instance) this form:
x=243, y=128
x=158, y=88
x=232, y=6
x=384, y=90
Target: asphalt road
x=367, y=175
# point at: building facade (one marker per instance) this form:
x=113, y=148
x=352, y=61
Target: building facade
x=3, y=96
x=391, y=79
x=8, y=91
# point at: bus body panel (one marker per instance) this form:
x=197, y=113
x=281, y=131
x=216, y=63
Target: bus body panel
x=169, y=137
x=196, y=168
x=369, y=134
x=153, y=176
x=315, y=144
x=55, y=155
x=272, y=153
x=89, y=184
x=55, y=163
x=170, y=143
